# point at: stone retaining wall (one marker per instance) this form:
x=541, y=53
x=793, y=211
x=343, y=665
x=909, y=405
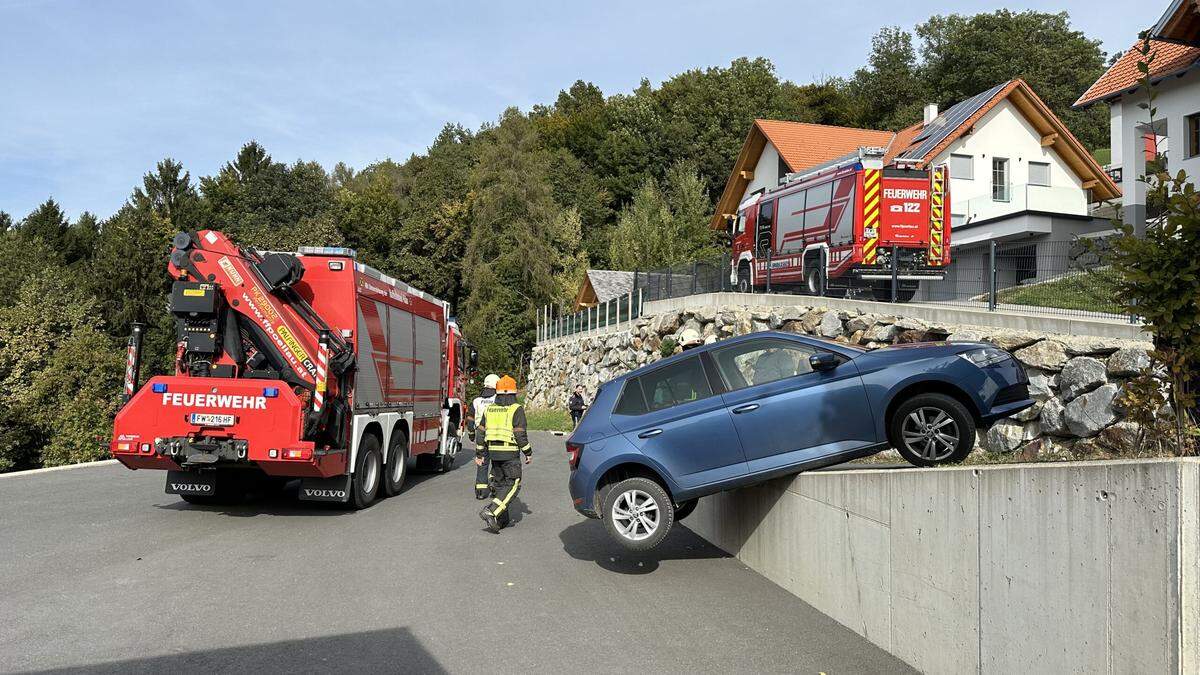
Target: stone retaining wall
x=1076, y=380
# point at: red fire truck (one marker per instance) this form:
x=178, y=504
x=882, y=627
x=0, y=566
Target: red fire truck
x=836, y=227
x=303, y=365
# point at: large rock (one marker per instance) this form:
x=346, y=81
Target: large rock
x=1087, y=415
x=1041, y=384
x=1081, y=375
x=705, y=314
x=882, y=332
x=1007, y=435
x=830, y=326
x=667, y=322
x=1128, y=361
x=1047, y=355
x=791, y=313
x=965, y=335
x=1053, y=418
x=1084, y=345
x=1029, y=414
x=812, y=320
x=1011, y=340
x=1123, y=437
x=857, y=323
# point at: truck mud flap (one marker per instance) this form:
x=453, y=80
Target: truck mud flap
x=192, y=483
x=336, y=489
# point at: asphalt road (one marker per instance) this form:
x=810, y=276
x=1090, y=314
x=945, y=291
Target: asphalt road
x=100, y=571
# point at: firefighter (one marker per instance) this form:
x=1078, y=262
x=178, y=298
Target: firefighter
x=501, y=437
x=483, y=483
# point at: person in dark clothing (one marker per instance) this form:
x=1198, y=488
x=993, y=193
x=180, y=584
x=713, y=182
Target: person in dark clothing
x=576, y=405
x=501, y=436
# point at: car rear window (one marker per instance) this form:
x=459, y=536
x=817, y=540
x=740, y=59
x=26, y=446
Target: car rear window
x=631, y=401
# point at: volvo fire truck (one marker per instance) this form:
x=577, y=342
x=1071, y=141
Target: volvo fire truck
x=851, y=224
x=306, y=365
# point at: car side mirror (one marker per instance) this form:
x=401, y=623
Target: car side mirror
x=823, y=361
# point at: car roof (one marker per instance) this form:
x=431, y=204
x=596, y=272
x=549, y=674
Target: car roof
x=849, y=351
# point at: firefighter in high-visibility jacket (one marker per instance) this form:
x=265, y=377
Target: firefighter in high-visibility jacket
x=483, y=483
x=502, y=435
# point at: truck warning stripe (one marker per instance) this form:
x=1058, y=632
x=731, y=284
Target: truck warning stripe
x=871, y=184
x=937, y=215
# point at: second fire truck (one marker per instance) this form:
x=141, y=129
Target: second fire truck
x=838, y=226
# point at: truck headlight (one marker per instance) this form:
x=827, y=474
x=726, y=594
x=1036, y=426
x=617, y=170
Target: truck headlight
x=985, y=356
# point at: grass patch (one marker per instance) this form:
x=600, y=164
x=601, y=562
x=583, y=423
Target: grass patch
x=547, y=419
x=1085, y=291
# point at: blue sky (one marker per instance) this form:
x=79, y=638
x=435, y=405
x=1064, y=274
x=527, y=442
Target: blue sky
x=92, y=94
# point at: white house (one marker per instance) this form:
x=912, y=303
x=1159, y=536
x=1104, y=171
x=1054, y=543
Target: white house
x=1175, y=72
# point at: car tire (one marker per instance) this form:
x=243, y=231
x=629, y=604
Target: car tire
x=368, y=473
x=685, y=509
x=638, y=513
x=397, y=467
x=932, y=429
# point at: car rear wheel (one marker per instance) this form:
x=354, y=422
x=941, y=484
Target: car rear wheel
x=638, y=513
x=932, y=429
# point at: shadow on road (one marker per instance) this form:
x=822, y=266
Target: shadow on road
x=284, y=501
x=392, y=650
x=587, y=540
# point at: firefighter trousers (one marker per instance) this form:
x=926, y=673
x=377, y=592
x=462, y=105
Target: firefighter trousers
x=483, y=479
x=506, y=472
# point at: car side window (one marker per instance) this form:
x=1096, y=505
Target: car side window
x=631, y=401
x=761, y=361
x=675, y=384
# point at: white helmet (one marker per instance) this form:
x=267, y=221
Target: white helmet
x=490, y=381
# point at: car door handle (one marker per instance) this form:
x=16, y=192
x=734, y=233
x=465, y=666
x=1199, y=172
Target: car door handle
x=749, y=407
x=650, y=434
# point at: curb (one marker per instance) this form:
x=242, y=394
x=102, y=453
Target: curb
x=65, y=467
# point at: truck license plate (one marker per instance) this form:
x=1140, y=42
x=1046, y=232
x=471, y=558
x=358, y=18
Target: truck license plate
x=211, y=420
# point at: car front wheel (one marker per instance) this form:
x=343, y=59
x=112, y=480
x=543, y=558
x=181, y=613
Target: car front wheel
x=638, y=513
x=932, y=429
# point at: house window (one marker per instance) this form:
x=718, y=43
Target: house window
x=782, y=169
x=1000, y=192
x=962, y=166
x=1192, y=122
x=1039, y=173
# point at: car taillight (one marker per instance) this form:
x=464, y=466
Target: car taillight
x=574, y=450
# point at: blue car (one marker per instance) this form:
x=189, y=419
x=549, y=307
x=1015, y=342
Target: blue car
x=768, y=404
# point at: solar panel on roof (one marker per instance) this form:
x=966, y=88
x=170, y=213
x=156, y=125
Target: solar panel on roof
x=943, y=125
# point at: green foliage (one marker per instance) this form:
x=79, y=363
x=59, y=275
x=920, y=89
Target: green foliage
x=663, y=227
x=667, y=347
x=1090, y=291
x=959, y=56
x=548, y=419
x=58, y=375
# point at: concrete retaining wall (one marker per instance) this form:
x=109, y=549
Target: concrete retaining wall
x=1044, y=568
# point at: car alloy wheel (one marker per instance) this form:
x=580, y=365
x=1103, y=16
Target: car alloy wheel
x=930, y=433
x=635, y=515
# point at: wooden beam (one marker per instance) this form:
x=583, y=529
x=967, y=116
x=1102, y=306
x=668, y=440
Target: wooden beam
x=1089, y=184
x=1049, y=139
x=747, y=175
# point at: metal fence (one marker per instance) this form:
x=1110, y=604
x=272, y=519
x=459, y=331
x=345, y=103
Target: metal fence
x=1034, y=276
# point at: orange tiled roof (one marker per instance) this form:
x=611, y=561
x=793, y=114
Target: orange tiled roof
x=1123, y=75
x=803, y=145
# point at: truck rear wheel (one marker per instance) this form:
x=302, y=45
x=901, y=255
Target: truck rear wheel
x=397, y=466
x=743, y=279
x=368, y=467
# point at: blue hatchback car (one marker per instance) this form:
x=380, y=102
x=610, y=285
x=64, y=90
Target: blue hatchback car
x=758, y=406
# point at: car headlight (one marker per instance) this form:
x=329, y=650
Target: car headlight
x=985, y=356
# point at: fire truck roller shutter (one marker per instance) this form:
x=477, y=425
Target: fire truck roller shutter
x=400, y=344
x=368, y=390
x=428, y=356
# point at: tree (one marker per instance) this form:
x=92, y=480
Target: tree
x=47, y=223
x=964, y=55
x=664, y=227
x=81, y=238
x=168, y=192
x=890, y=88
x=521, y=244
x=58, y=375
x=265, y=204
x=6, y=222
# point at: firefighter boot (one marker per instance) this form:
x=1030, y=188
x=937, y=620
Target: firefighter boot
x=490, y=521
